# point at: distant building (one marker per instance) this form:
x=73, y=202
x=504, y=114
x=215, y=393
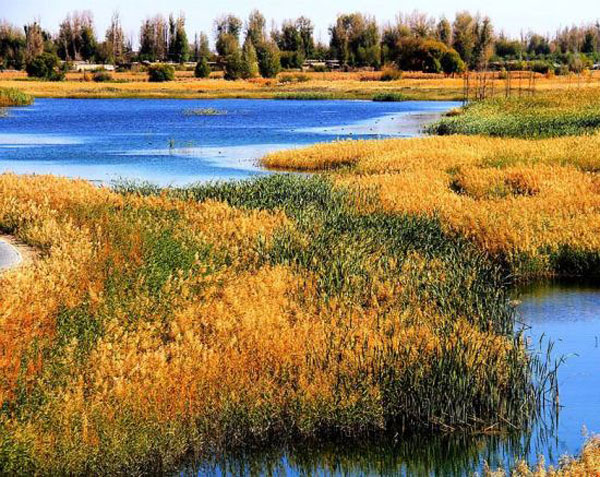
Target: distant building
x=82, y=66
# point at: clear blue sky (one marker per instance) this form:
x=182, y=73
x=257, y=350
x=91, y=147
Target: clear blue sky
x=512, y=16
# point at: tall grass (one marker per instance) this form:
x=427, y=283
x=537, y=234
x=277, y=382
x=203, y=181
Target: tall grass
x=159, y=324
x=14, y=97
x=390, y=97
x=534, y=205
x=554, y=114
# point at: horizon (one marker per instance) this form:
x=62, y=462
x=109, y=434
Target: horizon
x=509, y=17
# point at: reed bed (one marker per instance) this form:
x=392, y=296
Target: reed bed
x=587, y=464
x=14, y=97
x=159, y=325
x=533, y=205
x=552, y=114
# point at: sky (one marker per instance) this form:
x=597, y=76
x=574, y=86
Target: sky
x=510, y=16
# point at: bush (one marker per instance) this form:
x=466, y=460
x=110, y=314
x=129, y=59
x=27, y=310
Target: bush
x=202, y=69
x=320, y=69
x=102, y=77
x=298, y=78
x=539, y=67
x=45, y=66
x=452, y=63
x=391, y=74
x=389, y=97
x=161, y=73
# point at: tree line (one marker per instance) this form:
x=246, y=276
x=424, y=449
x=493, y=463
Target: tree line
x=414, y=41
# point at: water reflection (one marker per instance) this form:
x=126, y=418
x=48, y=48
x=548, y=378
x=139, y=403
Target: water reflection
x=446, y=455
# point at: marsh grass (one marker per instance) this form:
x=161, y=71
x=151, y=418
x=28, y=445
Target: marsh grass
x=305, y=96
x=564, y=113
x=14, y=97
x=204, y=112
x=533, y=205
x=226, y=316
x=390, y=97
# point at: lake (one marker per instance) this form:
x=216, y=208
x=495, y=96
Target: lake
x=177, y=142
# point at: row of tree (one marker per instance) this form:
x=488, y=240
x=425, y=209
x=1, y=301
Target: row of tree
x=413, y=42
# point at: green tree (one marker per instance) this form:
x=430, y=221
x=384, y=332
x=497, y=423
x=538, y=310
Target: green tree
x=34, y=41
x=45, y=66
x=12, y=47
x=306, y=29
x=417, y=54
x=181, y=47
x=249, y=60
x=202, y=69
x=269, y=63
x=76, y=37
x=234, y=66
x=291, y=45
x=484, y=44
x=464, y=35
x=355, y=40
x=201, y=47
x=452, y=63
x=444, y=32
x=115, y=41
x=227, y=30
x=255, y=29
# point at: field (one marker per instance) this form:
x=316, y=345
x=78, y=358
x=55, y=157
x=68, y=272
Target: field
x=357, y=85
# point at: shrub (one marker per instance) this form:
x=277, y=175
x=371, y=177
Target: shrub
x=542, y=67
x=160, y=73
x=391, y=74
x=320, y=69
x=298, y=78
x=202, y=69
x=452, y=63
x=389, y=97
x=102, y=77
x=45, y=66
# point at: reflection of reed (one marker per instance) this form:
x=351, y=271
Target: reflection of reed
x=456, y=454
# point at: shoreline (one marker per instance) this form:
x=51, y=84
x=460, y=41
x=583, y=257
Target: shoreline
x=13, y=253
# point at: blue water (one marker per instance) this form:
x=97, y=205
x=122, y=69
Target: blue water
x=161, y=142
x=569, y=316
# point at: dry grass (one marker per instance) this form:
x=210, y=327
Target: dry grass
x=152, y=326
x=536, y=203
x=342, y=85
x=586, y=465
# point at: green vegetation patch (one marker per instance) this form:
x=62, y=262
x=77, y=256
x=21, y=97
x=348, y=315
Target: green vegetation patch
x=560, y=113
x=14, y=97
